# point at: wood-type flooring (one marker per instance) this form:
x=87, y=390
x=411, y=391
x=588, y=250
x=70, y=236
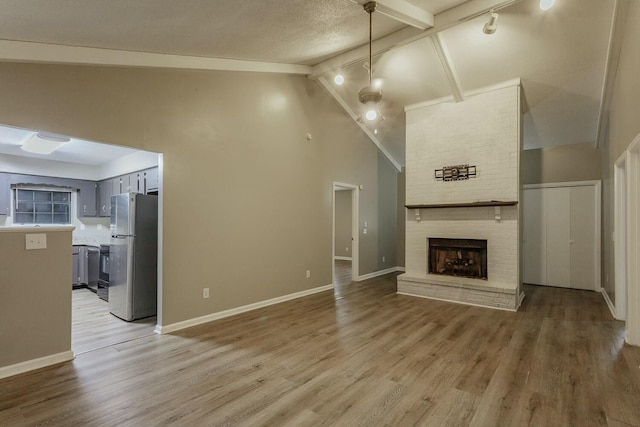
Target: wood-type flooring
x=360, y=356
x=93, y=326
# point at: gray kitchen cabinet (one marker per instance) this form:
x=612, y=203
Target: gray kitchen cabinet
x=134, y=183
x=75, y=275
x=5, y=193
x=150, y=177
x=87, y=203
x=83, y=276
x=105, y=191
x=115, y=186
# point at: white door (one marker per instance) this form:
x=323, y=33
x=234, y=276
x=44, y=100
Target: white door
x=534, y=237
x=558, y=220
x=583, y=238
x=561, y=235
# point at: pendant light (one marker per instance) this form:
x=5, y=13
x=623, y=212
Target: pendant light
x=370, y=96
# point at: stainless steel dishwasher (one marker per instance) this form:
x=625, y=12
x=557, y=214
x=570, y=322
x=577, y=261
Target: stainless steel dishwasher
x=93, y=267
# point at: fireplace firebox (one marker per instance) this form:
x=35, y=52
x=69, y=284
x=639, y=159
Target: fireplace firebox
x=457, y=257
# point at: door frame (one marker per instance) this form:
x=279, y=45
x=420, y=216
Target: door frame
x=355, y=246
x=633, y=246
x=620, y=236
x=598, y=219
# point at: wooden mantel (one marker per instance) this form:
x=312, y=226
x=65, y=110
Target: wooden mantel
x=464, y=205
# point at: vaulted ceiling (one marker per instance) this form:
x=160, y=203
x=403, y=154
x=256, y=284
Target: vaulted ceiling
x=560, y=55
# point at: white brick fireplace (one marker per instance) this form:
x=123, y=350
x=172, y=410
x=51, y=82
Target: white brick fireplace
x=482, y=131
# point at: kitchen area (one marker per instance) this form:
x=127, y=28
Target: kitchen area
x=110, y=196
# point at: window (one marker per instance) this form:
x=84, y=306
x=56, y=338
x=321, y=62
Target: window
x=42, y=207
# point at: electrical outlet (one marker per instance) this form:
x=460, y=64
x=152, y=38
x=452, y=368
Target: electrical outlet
x=35, y=241
x=347, y=248
x=308, y=273
x=205, y=293
x=383, y=258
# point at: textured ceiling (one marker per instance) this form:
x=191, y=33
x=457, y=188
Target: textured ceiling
x=560, y=55
x=302, y=32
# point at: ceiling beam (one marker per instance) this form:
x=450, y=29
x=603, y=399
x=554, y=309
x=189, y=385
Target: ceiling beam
x=403, y=11
x=407, y=13
x=616, y=33
x=16, y=51
x=442, y=21
x=447, y=66
x=329, y=88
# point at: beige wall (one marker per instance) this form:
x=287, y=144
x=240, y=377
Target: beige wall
x=343, y=223
x=35, y=297
x=247, y=198
x=624, y=126
x=566, y=163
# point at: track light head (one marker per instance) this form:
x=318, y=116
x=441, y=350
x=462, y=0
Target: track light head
x=491, y=26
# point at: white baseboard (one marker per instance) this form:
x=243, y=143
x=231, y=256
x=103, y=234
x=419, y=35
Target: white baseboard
x=342, y=258
x=379, y=273
x=238, y=310
x=612, y=308
x=30, y=365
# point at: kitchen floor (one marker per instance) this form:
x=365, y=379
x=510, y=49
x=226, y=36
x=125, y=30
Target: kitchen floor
x=93, y=327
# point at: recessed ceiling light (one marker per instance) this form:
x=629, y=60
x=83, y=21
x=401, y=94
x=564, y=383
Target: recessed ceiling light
x=546, y=4
x=44, y=143
x=339, y=79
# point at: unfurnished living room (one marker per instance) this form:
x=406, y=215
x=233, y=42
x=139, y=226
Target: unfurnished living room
x=340, y=212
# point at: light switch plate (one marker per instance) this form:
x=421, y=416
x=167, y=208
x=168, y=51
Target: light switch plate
x=35, y=241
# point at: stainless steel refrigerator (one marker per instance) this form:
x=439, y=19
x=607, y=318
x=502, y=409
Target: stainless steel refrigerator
x=133, y=256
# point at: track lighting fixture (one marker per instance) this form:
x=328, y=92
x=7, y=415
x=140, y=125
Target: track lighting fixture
x=491, y=26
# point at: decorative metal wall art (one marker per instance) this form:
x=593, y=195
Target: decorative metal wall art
x=455, y=173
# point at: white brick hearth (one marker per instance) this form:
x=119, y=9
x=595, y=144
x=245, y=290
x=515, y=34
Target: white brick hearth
x=482, y=131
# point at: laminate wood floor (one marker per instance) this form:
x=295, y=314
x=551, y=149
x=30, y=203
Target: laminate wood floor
x=94, y=327
x=369, y=357
x=341, y=272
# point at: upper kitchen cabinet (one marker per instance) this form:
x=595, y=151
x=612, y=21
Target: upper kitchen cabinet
x=150, y=180
x=130, y=183
x=86, y=199
x=5, y=193
x=106, y=189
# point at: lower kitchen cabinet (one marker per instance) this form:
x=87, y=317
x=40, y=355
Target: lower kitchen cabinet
x=85, y=269
x=75, y=276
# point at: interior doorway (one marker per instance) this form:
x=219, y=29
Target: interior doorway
x=345, y=234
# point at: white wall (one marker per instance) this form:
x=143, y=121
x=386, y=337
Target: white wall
x=483, y=131
x=130, y=163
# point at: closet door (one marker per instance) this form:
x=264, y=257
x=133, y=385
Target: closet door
x=558, y=221
x=534, y=237
x=583, y=238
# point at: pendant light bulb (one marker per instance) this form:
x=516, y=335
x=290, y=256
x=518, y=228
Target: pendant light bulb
x=371, y=115
x=546, y=4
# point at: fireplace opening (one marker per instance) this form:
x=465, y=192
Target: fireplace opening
x=457, y=257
